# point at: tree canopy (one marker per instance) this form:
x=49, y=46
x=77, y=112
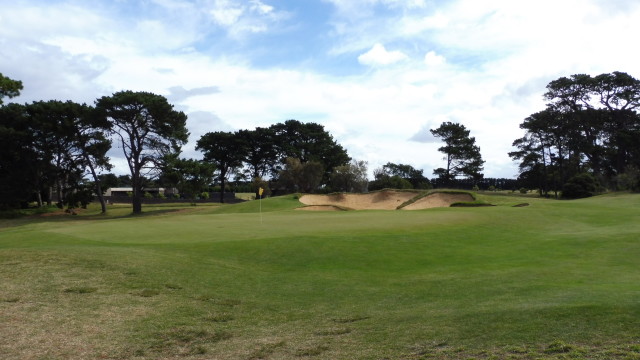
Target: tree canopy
x=590, y=125
x=147, y=129
x=461, y=153
x=9, y=88
x=399, y=176
x=225, y=151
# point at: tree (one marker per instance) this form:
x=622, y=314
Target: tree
x=300, y=176
x=309, y=142
x=9, y=88
x=147, y=129
x=351, y=177
x=260, y=152
x=382, y=180
x=225, y=151
x=591, y=125
x=462, y=154
x=70, y=143
x=580, y=186
x=398, y=176
x=409, y=173
x=18, y=158
x=189, y=176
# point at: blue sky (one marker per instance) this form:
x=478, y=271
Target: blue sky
x=378, y=74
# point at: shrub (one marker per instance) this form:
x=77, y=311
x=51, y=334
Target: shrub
x=580, y=186
x=475, y=188
x=148, y=195
x=492, y=188
x=204, y=195
x=523, y=190
x=629, y=180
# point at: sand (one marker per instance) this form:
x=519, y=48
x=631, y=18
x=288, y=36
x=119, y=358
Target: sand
x=382, y=200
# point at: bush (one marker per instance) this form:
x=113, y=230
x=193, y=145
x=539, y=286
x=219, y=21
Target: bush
x=629, y=180
x=475, y=188
x=148, y=195
x=523, y=191
x=580, y=186
x=204, y=195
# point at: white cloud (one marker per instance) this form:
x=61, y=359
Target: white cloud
x=226, y=13
x=261, y=7
x=378, y=55
x=239, y=18
x=486, y=67
x=433, y=59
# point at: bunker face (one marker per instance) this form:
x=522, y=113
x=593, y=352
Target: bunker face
x=383, y=200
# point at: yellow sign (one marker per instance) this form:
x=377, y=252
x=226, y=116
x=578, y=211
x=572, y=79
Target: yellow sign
x=260, y=191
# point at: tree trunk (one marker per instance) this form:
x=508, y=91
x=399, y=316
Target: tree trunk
x=39, y=194
x=136, y=199
x=222, y=184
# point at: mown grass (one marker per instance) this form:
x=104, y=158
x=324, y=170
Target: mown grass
x=553, y=280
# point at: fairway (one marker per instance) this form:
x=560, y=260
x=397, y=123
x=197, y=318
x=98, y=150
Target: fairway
x=552, y=280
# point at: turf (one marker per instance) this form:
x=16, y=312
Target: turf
x=552, y=280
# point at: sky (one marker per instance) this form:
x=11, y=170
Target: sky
x=377, y=74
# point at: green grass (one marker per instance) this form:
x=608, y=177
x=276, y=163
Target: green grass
x=552, y=280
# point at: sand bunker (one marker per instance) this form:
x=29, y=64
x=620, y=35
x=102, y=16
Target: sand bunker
x=382, y=200
x=438, y=200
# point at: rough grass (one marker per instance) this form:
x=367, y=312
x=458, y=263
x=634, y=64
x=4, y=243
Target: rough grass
x=552, y=280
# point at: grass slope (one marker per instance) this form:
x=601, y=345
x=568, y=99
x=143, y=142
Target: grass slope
x=556, y=279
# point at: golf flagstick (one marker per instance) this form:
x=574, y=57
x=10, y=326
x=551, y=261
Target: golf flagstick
x=260, y=190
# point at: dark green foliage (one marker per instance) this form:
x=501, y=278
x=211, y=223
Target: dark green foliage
x=580, y=186
x=50, y=147
x=590, y=123
x=384, y=181
x=308, y=142
x=191, y=177
x=462, y=154
x=147, y=129
x=250, y=154
x=350, y=178
x=225, y=151
x=18, y=159
x=9, y=88
x=629, y=180
x=300, y=177
x=398, y=176
x=260, y=151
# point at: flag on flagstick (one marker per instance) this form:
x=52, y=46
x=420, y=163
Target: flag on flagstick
x=260, y=190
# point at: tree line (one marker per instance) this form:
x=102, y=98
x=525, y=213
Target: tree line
x=587, y=138
x=55, y=149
